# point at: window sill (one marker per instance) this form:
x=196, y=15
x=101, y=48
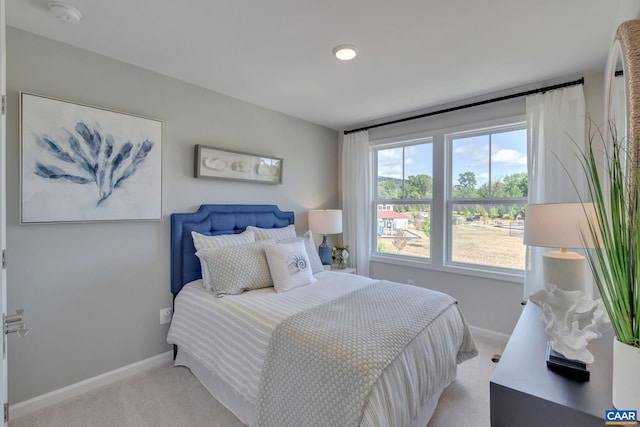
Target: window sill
x=466, y=271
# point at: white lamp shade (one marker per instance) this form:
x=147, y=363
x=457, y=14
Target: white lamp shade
x=559, y=225
x=327, y=221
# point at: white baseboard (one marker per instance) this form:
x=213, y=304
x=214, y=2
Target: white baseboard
x=488, y=334
x=74, y=390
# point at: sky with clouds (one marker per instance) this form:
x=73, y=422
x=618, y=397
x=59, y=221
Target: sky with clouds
x=470, y=154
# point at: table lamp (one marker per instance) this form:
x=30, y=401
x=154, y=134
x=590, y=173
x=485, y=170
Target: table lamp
x=324, y=222
x=561, y=225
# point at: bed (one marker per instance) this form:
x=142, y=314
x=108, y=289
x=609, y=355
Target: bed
x=229, y=343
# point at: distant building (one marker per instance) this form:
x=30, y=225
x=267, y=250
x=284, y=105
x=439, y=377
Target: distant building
x=390, y=221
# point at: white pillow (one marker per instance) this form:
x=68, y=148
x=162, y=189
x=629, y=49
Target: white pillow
x=235, y=269
x=288, y=232
x=202, y=242
x=312, y=251
x=289, y=265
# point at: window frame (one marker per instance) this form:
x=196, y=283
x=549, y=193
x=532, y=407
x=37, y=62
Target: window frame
x=440, y=239
x=450, y=201
x=398, y=143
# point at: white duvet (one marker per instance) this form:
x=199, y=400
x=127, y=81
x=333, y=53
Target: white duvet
x=230, y=335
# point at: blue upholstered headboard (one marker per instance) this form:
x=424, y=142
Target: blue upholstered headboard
x=214, y=220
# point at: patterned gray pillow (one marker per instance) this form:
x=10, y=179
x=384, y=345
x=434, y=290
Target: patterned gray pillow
x=235, y=269
x=201, y=242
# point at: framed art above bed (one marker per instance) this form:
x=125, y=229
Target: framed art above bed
x=216, y=163
x=84, y=163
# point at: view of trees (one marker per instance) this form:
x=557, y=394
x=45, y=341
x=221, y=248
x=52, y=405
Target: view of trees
x=511, y=186
x=415, y=187
x=421, y=187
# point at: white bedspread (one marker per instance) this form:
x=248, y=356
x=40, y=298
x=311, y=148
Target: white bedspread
x=230, y=336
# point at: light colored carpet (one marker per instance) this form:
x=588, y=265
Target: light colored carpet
x=171, y=396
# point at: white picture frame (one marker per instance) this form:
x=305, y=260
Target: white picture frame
x=83, y=163
x=216, y=163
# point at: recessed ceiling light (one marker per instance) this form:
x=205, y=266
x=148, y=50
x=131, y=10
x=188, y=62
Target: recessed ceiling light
x=345, y=52
x=64, y=12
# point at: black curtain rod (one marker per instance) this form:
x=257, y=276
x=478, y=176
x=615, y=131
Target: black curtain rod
x=580, y=81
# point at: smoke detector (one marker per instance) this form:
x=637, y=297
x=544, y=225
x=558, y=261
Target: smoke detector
x=64, y=12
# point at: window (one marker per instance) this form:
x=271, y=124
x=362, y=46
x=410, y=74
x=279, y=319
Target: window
x=453, y=199
x=403, y=198
x=487, y=197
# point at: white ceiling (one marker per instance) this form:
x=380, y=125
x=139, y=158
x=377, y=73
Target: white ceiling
x=414, y=54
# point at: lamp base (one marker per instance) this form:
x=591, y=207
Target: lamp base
x=573, y=369
x=325, y=251
x=566, y=270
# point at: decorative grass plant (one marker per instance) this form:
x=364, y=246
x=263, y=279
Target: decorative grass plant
x=614, y=188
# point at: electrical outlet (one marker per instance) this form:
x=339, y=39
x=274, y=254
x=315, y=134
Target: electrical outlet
x=165, y=315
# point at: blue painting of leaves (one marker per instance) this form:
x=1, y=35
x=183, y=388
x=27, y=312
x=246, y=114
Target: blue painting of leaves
x=92, y=158
x=53, y=172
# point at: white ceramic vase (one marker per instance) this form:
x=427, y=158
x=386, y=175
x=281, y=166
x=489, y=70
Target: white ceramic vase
x=626, y=376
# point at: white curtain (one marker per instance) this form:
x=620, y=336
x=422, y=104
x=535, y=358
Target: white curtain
x=556, y=123
x=356, y=199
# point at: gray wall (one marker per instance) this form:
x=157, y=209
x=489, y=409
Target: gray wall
x=92, y=291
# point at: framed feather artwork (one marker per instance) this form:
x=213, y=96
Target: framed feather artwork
x=83, y=163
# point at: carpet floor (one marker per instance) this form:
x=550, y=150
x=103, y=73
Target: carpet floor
x=171, y=396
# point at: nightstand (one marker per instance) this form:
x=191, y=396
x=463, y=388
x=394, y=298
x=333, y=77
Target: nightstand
x=334, y=267
x=525, y=393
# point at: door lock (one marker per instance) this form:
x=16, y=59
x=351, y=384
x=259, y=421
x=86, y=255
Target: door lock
x=13, y=323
